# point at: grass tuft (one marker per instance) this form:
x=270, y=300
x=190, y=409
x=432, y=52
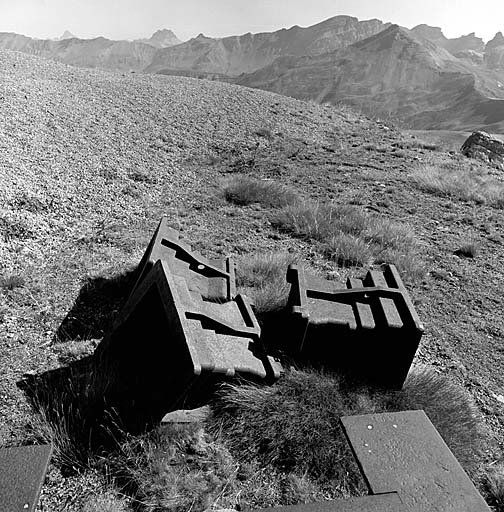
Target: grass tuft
x=243, y=190
x=10, y=282
x=262, y=278
x=348, y=250
x=469, y=250
x=495, y=486
x=351, y=237
x=463, y=182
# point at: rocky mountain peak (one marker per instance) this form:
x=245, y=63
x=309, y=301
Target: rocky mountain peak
x=497, y=41
x=66, y=35
x=162, y=38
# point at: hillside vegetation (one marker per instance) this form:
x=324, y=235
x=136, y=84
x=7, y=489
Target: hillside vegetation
x=90, y=160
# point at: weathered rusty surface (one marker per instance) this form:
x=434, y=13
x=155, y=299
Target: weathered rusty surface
x=381, y=503
x=22, y=473
x=369, y=327
x=212, y=279
x=403, y=452
x=173, y=348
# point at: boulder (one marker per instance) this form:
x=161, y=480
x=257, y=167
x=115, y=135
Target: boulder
x=483, y=146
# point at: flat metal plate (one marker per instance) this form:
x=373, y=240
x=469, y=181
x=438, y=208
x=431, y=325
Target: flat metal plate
x=22, y=473
x=380, y=503
x=403, y=452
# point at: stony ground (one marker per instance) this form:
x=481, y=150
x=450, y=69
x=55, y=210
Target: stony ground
x=90, y=160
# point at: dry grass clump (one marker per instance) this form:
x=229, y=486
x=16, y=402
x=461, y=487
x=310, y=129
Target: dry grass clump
x=262, y=278
x=244, y=190
x=105, y=502
x=460, y=182
x=351, y=237
x=495, y=486
x=9, y=282
x=175, y=468
x=467, y=250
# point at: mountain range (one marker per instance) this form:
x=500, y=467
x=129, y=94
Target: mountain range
x=419, y=77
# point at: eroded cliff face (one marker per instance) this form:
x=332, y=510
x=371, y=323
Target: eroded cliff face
x=494, y=52
x=435, y=35
x=250, y=52
x=390, y=73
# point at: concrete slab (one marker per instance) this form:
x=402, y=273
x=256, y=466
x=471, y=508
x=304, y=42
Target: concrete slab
x=403, y=452
x=22, y=473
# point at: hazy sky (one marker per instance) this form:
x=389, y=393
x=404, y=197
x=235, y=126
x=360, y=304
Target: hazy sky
x=128, y=19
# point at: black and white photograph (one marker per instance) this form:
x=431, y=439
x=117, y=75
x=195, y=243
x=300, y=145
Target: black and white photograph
x=251, y=256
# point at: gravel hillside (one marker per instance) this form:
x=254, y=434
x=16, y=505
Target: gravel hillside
x=90, y=160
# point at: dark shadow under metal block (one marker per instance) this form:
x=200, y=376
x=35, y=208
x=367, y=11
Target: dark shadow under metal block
x=403, y=452
x=212, y=279
x=22, y=473
x=369, y=328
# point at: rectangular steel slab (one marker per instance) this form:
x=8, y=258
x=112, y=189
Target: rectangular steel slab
x=403, y=452
x=380, y=503
x=22, y=473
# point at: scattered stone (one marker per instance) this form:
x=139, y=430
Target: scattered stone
x=482, y=146
x=187, y=415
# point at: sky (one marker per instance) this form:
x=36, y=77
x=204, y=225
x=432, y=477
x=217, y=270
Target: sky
x=131, y=19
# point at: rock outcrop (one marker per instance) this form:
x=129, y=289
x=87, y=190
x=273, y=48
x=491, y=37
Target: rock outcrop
x=459, y=44
x=482, y=146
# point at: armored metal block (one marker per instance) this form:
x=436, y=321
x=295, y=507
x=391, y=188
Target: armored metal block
x=212, y=279
x=173, y=347
x=22, y=473
x=369, y=327
x=390, y=502
x=403, y=452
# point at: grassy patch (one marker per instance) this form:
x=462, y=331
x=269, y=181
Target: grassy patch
x=243, y=190
x=462, y=182
x=351, y=237
x=262, y=278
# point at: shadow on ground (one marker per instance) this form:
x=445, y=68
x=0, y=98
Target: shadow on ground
x=96, y=307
